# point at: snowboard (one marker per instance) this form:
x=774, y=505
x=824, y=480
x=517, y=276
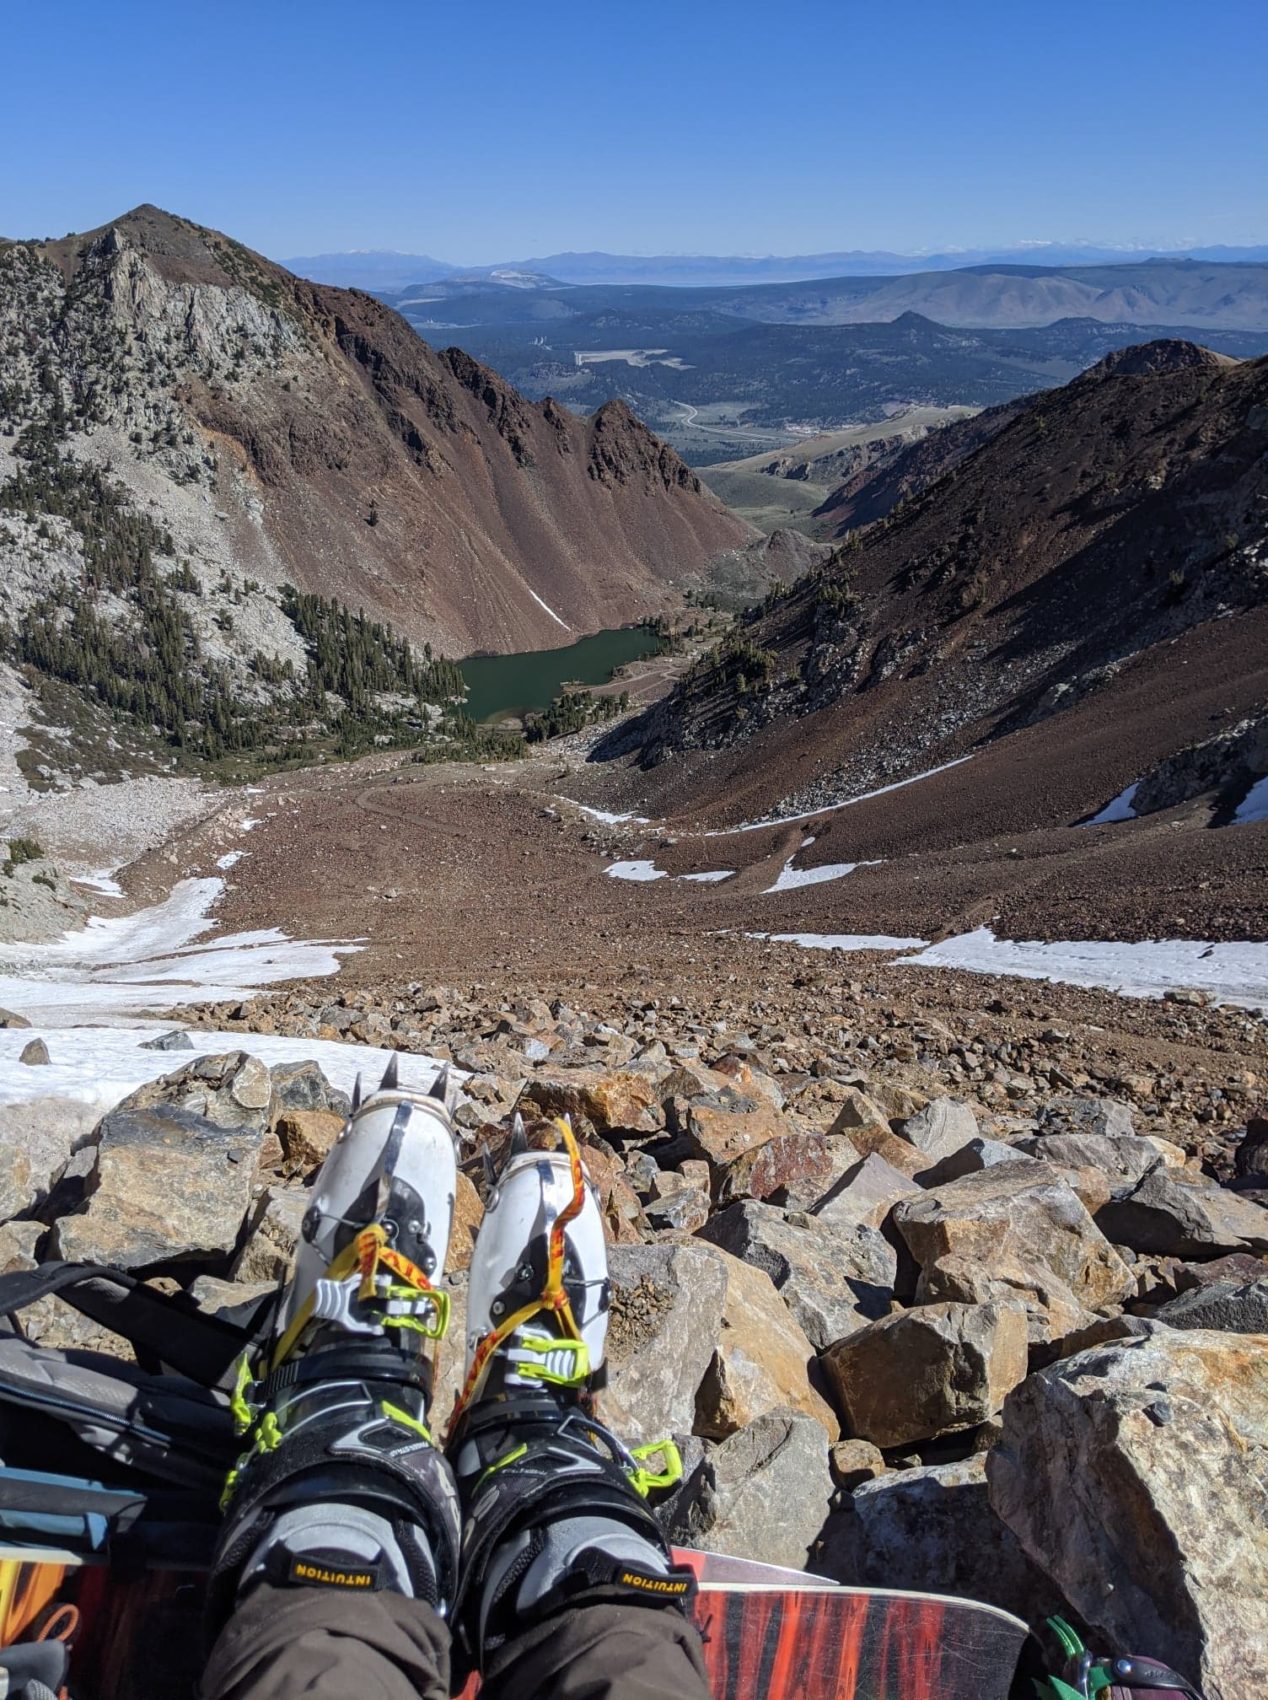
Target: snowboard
x=768, y=1633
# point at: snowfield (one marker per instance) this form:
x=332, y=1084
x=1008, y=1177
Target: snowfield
x=156, y=958
x=790, y=878
x=1227, y=973
x=159, y=957
x=1254, y=805
x=1119, y=809
x=638, y=871
x=1231, y=973
x=100, y=1066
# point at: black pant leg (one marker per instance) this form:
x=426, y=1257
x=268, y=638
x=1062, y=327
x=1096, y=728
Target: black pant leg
x=601, y=1650
x=326, y=1644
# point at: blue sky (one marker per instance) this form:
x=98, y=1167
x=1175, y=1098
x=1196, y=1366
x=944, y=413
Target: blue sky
x=478, y=131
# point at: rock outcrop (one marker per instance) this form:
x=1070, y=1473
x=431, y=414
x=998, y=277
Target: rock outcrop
x=1135, y=1476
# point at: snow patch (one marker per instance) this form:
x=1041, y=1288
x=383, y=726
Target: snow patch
x=849, y=802
x=230, y=859
x=607, y=817
x=155, y=958
x=1232, y=973
x=249, y=825
x=790, y=878
x=638, y=871
x=555, y=617
x=103, y=883
x=643, y=871
x=842, y=941
x=1120, y=809
x=1254, y=805
x=100, y=1066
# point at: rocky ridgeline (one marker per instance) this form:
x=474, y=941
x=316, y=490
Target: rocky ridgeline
x=1010, y=1341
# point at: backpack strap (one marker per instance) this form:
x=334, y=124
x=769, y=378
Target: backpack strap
x=165, y=1329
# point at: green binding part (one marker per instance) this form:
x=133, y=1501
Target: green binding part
x=644, y=1481
x=1094, y=1678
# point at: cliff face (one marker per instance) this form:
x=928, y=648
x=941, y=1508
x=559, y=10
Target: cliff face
x=284, y=431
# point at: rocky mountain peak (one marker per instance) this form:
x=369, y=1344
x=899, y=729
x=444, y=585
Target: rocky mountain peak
x=1152, y=359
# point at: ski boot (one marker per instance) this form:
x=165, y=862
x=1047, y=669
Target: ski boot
x=340, y=1484
x=553, y=1503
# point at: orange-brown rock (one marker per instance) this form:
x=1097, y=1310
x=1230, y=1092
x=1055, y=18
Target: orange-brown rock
x=607, y=1100
x=306, y=1138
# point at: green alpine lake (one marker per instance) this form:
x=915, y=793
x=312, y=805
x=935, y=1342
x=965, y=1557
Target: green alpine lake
x=499, y=686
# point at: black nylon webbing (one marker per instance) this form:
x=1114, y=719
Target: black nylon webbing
x=169, y=1328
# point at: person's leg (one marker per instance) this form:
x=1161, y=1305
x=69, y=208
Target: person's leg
x=337, y=1562
x=567, y=1587
x=602, y=1650
x=312, y=1644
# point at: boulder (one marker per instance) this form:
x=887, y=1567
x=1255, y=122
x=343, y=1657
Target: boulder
x=1181, y=1215
x=860, y=1114
x=232, y=1301
x=617, y=1101
x=940, y=1129
x=451, y=1353
x=18, y=1241
x=229, y=1090
x=303, y=1086
x=34, y=1053
x=762, y=1494
x=833, y=1279
x=175, y=1040
x=1250, y=1160
x=927, y=1372
x=9, y=1019
x=854, y=1462
x=932, y=1530
x=19, y=1190
x=1016, y=1214
x=272, y=1235
x=675, y=1203
x=168, y=1186
x=762, y=1360
x=1237, y=1267
x=1222, y=1305
x=882, y=1141
x=665, y=1322
x=1052, y=1311
x=970, y=1159
x=789, y=1163
x=1106, y=1116
x=1123, y=1158
x=865, y=1194
x=306, y=1138
x=728, y=1126
x=618, y=1202
x=42, y=1134
x=1136, y=1476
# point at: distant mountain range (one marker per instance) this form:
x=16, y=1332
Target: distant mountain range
x=382, y=269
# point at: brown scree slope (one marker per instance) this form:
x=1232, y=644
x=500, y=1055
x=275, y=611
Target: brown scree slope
x=1113, y=529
